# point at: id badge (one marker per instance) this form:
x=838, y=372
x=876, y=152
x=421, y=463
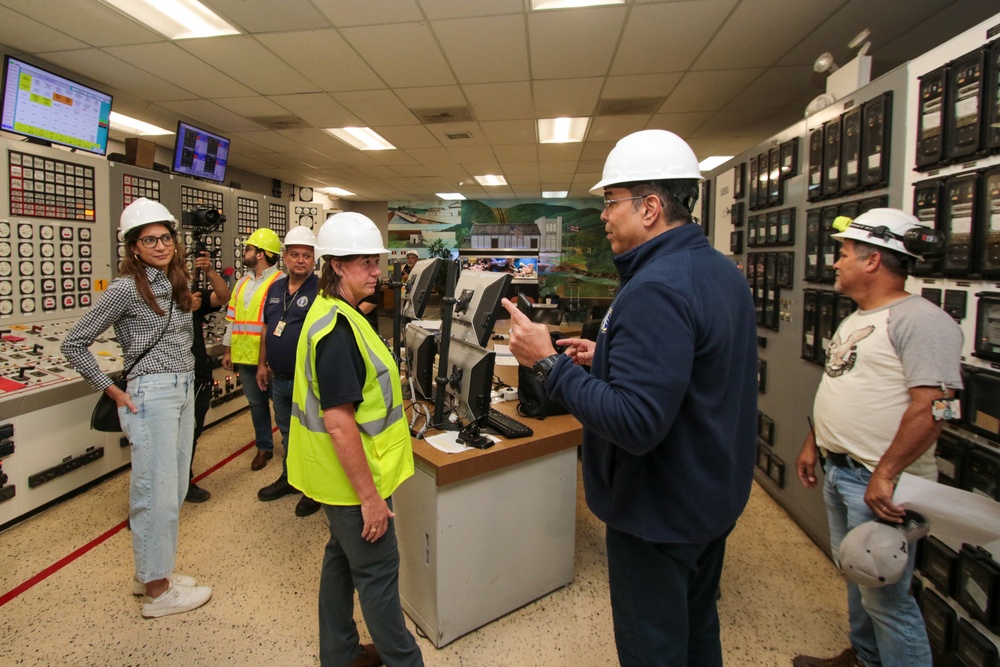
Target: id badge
x=944, y=409
x=279, y=328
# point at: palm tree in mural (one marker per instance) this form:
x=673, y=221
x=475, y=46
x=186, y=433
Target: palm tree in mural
x=438, y=248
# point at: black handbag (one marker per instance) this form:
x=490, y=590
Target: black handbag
x=533, y=401
x=104, y=418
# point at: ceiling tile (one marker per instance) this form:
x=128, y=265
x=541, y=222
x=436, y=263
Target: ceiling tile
x=323, y=57
x=376, y=107
x=566, y=97
x=640, y=85
x=30, y=36
x=317, y=109
x=775, y=87
x=681, y=124
x=343, y=13
x=437, y=9
x=390, y=49
x=408, y=137
x=258, y=17
x=613, y=128
x=223, y=120
x=575, y=43
x=172, y=63
x=519, y=153
x=252, y=106
x=500, y=101
x=510, y=132
x=248, y=61
x=483, y=50
x=90, y=22
x=432, y=97
x=708, y=91
x=118, y=74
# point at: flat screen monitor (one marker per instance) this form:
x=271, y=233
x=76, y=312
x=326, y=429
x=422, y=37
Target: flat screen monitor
x=421, y=346
x=521, y=269
x=477, y=305
x=200, y=153
x=470, y=379
x=417, y=290
x=51, y=109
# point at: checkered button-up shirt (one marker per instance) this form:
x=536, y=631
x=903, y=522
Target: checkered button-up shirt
x=136, y=327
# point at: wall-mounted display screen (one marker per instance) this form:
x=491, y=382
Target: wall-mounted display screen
x=958, y=215
x=200, y=153
x=987, y=344
x=964, y=104
x=850, y=150
x=875, y=140
x=521, y=269
x=52, y=109
x=930, y=119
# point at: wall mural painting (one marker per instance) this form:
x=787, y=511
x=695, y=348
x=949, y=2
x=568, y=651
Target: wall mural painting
x=574, y=256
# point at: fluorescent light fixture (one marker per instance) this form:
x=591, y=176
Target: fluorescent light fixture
x=538, y=5
x=490, y=179
x=362, y=138
x=336, y=192
x=710, y=163
x=177, y=19
x=555, y=194
x=450, y=196
x=562, y=130
x=124, y=123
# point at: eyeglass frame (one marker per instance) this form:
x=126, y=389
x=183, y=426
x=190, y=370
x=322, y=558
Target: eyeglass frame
x=167, y=240
x=608, y=203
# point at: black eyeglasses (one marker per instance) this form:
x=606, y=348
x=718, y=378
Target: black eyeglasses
x=150, y=241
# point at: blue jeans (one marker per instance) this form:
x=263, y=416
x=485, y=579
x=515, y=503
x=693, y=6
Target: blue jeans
x=887, y=629
x=281, y=399
x=260, y=411
x=373, y=569
x=161, y=434
x=663, y=600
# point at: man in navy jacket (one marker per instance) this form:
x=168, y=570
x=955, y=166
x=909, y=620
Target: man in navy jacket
x=669, y=408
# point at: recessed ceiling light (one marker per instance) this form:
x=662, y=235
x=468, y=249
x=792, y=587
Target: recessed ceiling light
x=562, y=130
x=337, y=192
x=362, y=138
x=177, y=19
x=539, y=5
x=555, y=194
x=490, y=179
x=710, y=163
x=450, y=196
x=124, y=123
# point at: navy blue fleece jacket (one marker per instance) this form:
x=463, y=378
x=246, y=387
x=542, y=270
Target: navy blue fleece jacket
x=669, y=408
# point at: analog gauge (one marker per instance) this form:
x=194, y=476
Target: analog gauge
x=85, y=250
x=237, y=254
x=237, y=241
x=47, y=232
x=6, y=307
x=4, y=249
x=84, y=299
x=27, y=305
x=49, y=303
x=4, y=230
x=5, y=269
x=306, y=221
x=67, y=268
x=25, y=250
x=121, y=251
x=48, y=250
x=48, y=268
x=66, y=233
x=69, y=301
x=48, y=286
x=6, y=287
x=25, y=231
x=188, y=239
x=83, y=234
x=86, y=267
x=66, y=250
x=27, y=286
x=84, y=284
x=68, y=284
x=26, y=268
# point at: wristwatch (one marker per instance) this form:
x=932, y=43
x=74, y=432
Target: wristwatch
x=543, y=366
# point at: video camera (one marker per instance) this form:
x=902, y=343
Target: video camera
x=201, y=221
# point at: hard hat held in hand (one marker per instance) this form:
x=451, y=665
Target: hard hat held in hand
x=350, y=233
x=648, y=155
x=300, y=235
x=144, y=212
x=265, y=239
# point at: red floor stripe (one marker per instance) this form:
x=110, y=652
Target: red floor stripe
x=63, y=562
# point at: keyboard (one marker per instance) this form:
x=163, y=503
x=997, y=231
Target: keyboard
x=507, y=426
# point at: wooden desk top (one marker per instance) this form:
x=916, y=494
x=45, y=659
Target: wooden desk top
x=552, y=434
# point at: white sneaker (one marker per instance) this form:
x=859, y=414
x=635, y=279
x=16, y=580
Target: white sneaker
x=175, y=600
x=177, y=579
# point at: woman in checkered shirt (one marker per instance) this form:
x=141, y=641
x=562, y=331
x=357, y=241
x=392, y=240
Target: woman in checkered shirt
x=149, y=305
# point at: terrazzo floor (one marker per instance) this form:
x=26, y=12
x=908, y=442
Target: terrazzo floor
x=781, y=594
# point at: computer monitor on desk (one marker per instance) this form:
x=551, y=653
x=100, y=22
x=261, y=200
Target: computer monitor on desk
x=477, y=305
x=417, y=290
x=470, y=384
x=421, y=346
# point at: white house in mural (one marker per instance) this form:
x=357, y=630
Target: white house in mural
x=551, y=231
x=505, y=236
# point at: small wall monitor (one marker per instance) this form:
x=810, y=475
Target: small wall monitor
x=521, y=269
x=477, y=305
x=417, y=291
x=51, y=109
x=421, y=346
x=200, y=153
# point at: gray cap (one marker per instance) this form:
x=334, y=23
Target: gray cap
x=875, y=553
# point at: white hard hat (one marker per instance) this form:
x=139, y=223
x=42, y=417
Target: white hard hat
x=883, y=227
x=648, y=155
x=349, y=233
x=144, y=212
x=300, y=235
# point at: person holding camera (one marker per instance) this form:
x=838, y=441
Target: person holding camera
x=244, y=329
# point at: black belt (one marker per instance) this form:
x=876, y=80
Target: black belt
x=282, y=376
x=843, y=460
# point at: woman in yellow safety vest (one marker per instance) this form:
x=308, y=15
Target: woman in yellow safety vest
x=347, y=393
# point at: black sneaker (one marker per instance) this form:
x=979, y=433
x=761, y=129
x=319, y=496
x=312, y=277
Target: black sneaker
x=196, y=494
x=277, y=490
x=306, y=506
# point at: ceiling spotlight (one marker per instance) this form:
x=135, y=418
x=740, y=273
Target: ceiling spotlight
x=825, y=63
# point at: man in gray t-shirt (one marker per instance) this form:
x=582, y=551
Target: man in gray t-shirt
x=887, y=365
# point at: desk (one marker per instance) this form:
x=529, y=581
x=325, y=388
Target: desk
x=485, y=532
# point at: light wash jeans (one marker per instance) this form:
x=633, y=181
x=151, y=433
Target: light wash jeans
x=260, y=411
x=281, y=399
x=887, y=629
x=161, y=434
